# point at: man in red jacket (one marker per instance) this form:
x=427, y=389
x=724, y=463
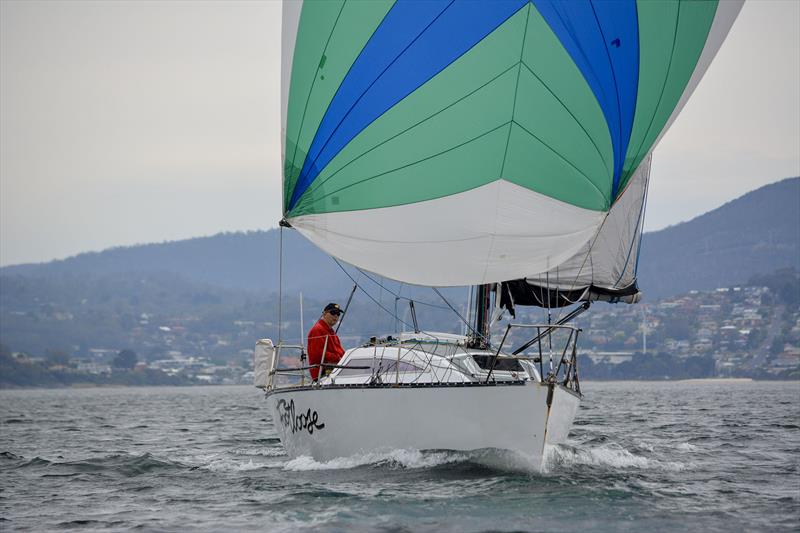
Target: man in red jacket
x=323, y=337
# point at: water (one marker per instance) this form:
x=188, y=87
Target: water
x=642, y=456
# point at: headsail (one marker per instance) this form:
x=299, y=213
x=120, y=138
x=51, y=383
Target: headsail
x=459, y=143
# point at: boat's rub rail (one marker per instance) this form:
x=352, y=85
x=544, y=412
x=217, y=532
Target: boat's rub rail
x=439, y=385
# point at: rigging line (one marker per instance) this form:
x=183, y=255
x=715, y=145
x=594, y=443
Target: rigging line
x=369, y=295
x=456, y=312
x=644, y=214
x=558, y=282
x=280, y=285
x=428, y=364
x=396, y=295
x=639, y=222
x=588, y=254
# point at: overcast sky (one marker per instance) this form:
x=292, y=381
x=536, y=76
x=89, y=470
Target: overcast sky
x=136, y=122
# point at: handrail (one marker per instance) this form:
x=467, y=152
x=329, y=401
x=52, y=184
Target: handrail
x=562, y=371
x=570, y=365
x=551, y=327
x=324, y=365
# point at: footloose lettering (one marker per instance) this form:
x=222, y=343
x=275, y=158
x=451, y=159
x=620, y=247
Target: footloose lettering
x=308, y=421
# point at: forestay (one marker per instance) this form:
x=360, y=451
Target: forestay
x=459, y=143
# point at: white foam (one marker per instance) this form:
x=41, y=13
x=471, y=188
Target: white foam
x=217, y=462
x=506, y=460
x=401, y=457
x=229, y=465
x=686, y=447
x=612, y=455
x=262, y=452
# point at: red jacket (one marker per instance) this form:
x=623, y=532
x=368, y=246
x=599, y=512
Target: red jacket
x=316, y=343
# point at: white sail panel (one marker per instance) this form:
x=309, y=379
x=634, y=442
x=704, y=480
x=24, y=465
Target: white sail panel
x=608, y=260
x=493, y=233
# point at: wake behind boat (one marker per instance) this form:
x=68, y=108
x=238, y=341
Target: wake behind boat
x=504, y=145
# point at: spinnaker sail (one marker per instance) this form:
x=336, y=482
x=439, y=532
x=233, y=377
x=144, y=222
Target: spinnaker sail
x=463, y=142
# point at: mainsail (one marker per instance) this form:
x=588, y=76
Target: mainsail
x=449, y=143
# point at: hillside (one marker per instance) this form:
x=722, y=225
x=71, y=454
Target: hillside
x=754, y=234
x=247, y=260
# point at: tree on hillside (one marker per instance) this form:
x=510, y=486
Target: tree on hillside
x=125, y=359
x=677, y=327
x=785, y=283
x=57, y=357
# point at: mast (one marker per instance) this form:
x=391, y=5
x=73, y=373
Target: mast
x=480, y=337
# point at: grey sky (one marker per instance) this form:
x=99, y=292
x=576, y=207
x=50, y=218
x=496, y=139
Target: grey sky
x=133, y=122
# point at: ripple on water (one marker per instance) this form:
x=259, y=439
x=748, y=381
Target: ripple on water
x=611, y=456
x=640, y=457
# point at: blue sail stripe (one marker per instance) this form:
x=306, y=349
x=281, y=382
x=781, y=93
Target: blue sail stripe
x=602, y=38
x=415, y=41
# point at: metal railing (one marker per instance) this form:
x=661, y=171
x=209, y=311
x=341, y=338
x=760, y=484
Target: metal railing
x=563, y=370
x=296, y=376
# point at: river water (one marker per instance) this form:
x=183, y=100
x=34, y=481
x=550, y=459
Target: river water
x=698, y=456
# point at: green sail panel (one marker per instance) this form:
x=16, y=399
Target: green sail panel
x=561, y=100
x=672, y=36
x=320, y=65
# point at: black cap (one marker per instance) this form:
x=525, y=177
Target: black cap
x=334, y=309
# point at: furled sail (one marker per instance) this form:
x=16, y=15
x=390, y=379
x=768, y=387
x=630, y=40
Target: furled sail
x=464, y=142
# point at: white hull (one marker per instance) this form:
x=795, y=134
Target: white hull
x=338, y=421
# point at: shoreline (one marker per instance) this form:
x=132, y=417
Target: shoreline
x=589, y=382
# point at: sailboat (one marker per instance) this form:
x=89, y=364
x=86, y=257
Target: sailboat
x=504, y=145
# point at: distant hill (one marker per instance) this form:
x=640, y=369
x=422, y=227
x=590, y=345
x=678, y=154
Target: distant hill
x=245, y=260
x=755, y=234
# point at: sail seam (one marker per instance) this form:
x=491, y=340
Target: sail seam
x=317, y=184
x=526, y=130
x=414, y=163
x=663, y=86
x=615, y=180
x=490, y=249
x=639, y=222
x=588, y=63
x=366, y=90
x=305, y=108
x=449, y=240
x=641, y=232
x=578, y=122
x=298, y=199
x=587, y=258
